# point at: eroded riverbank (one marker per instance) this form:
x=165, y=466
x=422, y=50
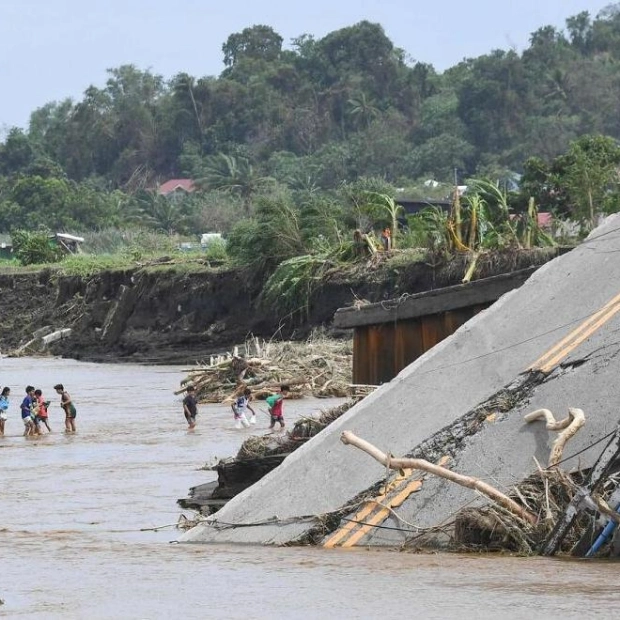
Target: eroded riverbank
x=169, y=313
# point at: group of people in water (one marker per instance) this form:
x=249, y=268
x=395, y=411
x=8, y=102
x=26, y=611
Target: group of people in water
x=35, y=416
x=240, y=407
x=34, y=410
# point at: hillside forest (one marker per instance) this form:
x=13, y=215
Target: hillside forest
x=293, y=147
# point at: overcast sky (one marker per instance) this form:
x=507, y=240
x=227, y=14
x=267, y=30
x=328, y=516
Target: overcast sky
x=53, y=49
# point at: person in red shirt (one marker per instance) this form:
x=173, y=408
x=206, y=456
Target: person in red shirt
x=274, y=404
x=42, y=414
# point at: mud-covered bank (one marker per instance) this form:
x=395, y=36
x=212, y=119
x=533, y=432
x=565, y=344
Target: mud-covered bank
x=168, y=314
x=142, y=315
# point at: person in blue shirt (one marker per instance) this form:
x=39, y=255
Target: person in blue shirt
x=27, y=407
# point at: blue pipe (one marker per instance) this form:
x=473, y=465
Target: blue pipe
x=603, y=536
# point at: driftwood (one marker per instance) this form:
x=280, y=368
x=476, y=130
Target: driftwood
x=569, y=426
x=319, y=366
x=492, y=493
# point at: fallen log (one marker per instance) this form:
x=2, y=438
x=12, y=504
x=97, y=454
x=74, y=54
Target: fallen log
x=349, y=438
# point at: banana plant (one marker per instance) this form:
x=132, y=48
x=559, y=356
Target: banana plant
x=387, y=206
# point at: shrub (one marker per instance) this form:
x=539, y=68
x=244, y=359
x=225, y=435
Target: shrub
x=35, y=248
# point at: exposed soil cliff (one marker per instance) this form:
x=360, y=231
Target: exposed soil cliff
x=165, y=314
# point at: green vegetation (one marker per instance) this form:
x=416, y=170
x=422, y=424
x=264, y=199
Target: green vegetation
x=291, y=287
x=33, y=248
x=295, y=151
x=110, y=250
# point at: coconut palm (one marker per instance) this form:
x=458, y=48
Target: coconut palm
x=232, y=174
x=362, y=110
x=159, y=212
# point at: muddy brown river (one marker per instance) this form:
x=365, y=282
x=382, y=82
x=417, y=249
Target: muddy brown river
x=77, y=512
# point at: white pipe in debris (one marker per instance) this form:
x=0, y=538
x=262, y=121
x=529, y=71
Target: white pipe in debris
x=347, y=437
x=569, y=426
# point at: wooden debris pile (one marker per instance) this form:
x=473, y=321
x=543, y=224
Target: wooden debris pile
x=319, y=366
x=303, y=429
x=492, y=528
x=522, y=520
x=548, y=494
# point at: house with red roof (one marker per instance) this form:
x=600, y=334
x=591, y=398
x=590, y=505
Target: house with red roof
x=176, y=185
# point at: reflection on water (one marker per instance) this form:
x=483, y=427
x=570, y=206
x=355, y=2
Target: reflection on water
x=77, y=511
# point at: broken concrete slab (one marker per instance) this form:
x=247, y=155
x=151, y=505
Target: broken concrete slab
x=547, y=320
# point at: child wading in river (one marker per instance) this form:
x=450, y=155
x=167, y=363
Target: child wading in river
x=27, y=407
x=68, y=407
x=190, y=407
x=275, y=403
x=239, y=407
x=4, y=407
x=42, y=414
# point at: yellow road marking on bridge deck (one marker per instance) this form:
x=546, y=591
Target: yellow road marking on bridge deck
x=405, y=493
x=403, y=485
x=381, y=515
x=569, y=343
x=369, y=506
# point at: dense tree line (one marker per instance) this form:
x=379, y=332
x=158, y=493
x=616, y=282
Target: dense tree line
x=296, y=132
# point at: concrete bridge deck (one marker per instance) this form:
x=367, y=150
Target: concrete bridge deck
x=552, y=343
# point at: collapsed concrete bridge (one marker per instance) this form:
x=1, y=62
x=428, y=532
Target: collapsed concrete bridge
x=553, y=343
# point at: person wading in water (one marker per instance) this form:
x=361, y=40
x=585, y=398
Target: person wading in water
x=190, y=407
x=68, y=407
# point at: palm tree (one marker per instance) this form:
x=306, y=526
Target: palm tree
x=232, y=174
x=159, y=212
x=362, y=109
x=498, y=211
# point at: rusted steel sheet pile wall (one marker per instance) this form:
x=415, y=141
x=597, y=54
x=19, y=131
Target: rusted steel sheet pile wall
x=381, y=351
x=389, y=335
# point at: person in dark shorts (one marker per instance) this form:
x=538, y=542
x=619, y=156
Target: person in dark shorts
x=275, y=403
x=68, y=407
x=27, y=407
x=190, y=407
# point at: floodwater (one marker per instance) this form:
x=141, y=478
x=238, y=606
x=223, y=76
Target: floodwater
x=77, y=514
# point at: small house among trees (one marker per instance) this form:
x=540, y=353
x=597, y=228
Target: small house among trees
x=174, y=186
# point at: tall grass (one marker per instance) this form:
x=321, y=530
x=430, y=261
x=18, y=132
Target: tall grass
x=113, y=249
x=142, y=240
